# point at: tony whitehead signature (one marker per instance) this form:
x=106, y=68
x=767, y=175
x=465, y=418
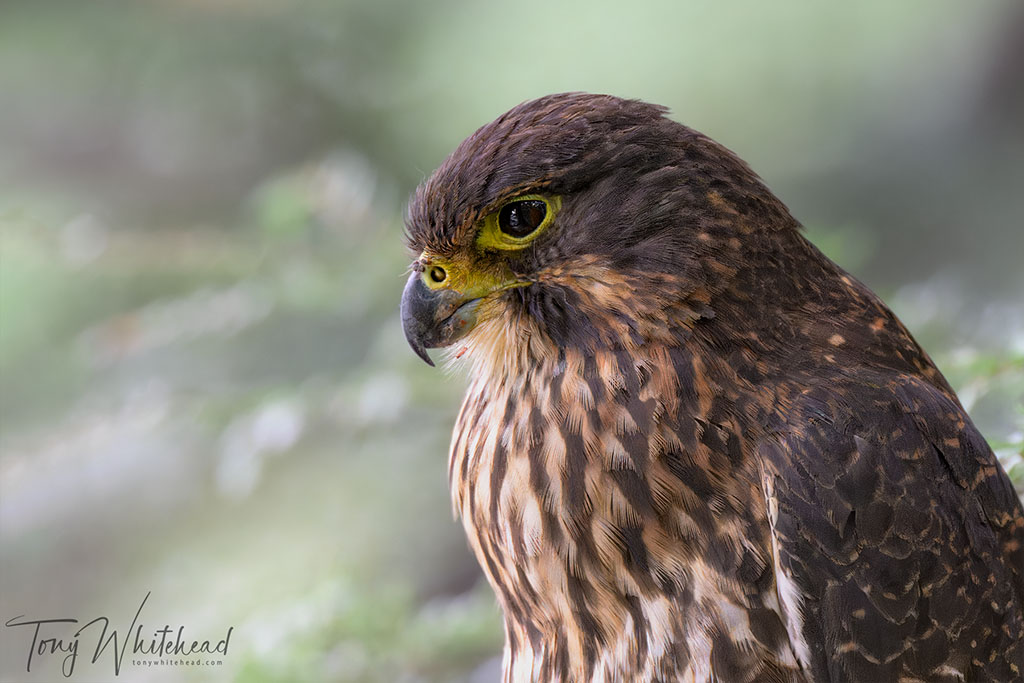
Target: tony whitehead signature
x=49, y=638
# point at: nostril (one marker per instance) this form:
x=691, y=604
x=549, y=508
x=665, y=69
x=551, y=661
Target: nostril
x=437, y=274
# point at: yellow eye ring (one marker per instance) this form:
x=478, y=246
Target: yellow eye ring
x=518, y=222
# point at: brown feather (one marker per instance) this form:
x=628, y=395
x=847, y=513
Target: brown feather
x=694, y=448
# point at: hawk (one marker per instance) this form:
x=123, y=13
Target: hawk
x=692, y=447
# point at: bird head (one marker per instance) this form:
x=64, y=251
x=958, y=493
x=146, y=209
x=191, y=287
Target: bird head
x=577, y=220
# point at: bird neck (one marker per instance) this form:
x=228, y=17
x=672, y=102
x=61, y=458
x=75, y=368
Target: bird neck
x=606, y=493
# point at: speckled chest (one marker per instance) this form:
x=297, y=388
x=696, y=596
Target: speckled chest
x=623, y=535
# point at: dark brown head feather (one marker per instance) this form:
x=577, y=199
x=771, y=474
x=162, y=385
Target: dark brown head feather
x=645, y=166
x=640, y=194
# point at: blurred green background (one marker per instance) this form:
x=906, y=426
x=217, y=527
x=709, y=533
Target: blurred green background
x=204, y=389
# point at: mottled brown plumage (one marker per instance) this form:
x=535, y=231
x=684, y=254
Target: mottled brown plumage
x=692, y=447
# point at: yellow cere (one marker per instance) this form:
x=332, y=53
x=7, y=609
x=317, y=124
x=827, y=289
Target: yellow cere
x=472, y=280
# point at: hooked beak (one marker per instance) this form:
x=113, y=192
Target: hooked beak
x=432, y=318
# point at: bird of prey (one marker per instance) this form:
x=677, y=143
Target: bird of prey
x=693, y=448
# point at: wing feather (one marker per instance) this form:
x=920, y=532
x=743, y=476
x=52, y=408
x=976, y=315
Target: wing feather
x=899, y=533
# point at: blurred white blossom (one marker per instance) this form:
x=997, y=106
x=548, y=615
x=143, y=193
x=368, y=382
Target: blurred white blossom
x=202, y=313
x=383, y=398
x=248, y=440
x=83, y=239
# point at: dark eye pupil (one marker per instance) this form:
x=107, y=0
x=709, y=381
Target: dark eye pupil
x=519, y=219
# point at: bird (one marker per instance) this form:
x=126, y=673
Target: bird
x=692, y=447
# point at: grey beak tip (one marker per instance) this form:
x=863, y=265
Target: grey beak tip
x=422, y=353
x=413, y=328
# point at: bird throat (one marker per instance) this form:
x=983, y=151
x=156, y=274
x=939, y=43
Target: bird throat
x=611, y=505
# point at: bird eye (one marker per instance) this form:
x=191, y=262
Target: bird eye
x=515, y=224
x=520, y=218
